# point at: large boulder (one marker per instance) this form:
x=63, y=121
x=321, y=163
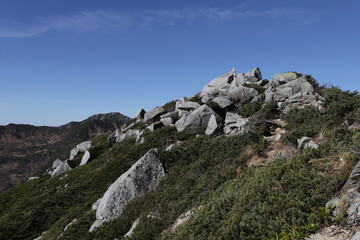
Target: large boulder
x=223, y=102
x=235, y=124
x=281, y=78
x=242, y=94
x=231, y=84
x=218, y=85
x=198, y=118
x=253, y=76
x=82, y=147
x=282, y=92
x=184, y=108
x=214, y=127
x=144, y=176
x=61, y=168
x=153, y=115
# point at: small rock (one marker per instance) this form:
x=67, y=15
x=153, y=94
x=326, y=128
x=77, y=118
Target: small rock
x=133, y=226
x=306, y=142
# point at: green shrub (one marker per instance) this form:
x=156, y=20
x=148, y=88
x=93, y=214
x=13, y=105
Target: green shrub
x=196, y=98
x=258, y=88
x=249, y=109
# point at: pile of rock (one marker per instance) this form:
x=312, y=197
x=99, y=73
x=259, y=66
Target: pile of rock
x=59, y=167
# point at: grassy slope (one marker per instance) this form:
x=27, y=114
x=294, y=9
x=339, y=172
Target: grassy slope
x=238, y=202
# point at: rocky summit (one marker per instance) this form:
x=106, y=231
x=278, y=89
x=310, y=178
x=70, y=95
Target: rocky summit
x=245, y=158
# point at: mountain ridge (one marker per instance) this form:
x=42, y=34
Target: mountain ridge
x=247, y=158
x=25, y=149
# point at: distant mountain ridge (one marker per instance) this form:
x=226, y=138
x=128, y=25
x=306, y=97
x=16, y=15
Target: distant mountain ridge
x=26, y=150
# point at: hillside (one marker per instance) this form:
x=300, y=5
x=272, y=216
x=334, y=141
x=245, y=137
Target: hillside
x=246, y=158
x=27, y=150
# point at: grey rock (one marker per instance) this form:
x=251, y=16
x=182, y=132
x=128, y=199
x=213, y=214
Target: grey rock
x=38, y=238
x=144, y=176
x=140, y=114
x=132, y=133
x=253, y=76
x=61, y=169
x=166, y=121
x=139, y=140
x=283, y=93
x=213, y=127
x=235, y=124
x=133, y=226
x=223, y=102
x=269, y=95
x=82, y=147
x=184, y=108
x=198, y=118
x=85, y=158
x=153, y=115
x=113, y=135
x=56, y=163
x=218, y=85
x=71, y=223
x=172, y=146
x=32, y=178
x=242, y=94
x=169, y=115
x=306, y=142
x=285, y=77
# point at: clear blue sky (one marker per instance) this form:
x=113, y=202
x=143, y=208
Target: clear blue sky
x=63, y=60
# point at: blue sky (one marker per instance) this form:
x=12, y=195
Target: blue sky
x=66, y=60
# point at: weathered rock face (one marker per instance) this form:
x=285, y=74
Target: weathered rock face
x=231, y=86
x=235, y=124
x=140, y=114
x=153, y=115
x=166, y=121
x=82, y=147
x=132, y=133
x=214, y=127
x=198, y=118
x=144, y=176
x=61, y=168
x=218, y=85
x=223, y=102
x=282, y=92
x=242, y=94
x=184, y=108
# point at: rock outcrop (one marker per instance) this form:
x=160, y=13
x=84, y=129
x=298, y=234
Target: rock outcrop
x=144, y=176
x=347, y=203
x=198, y=118
x=82, y=147
x=153, y=115
x=235, y=124
x=61, y=168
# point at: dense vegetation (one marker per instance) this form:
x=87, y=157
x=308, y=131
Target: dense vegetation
x=237, y=202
